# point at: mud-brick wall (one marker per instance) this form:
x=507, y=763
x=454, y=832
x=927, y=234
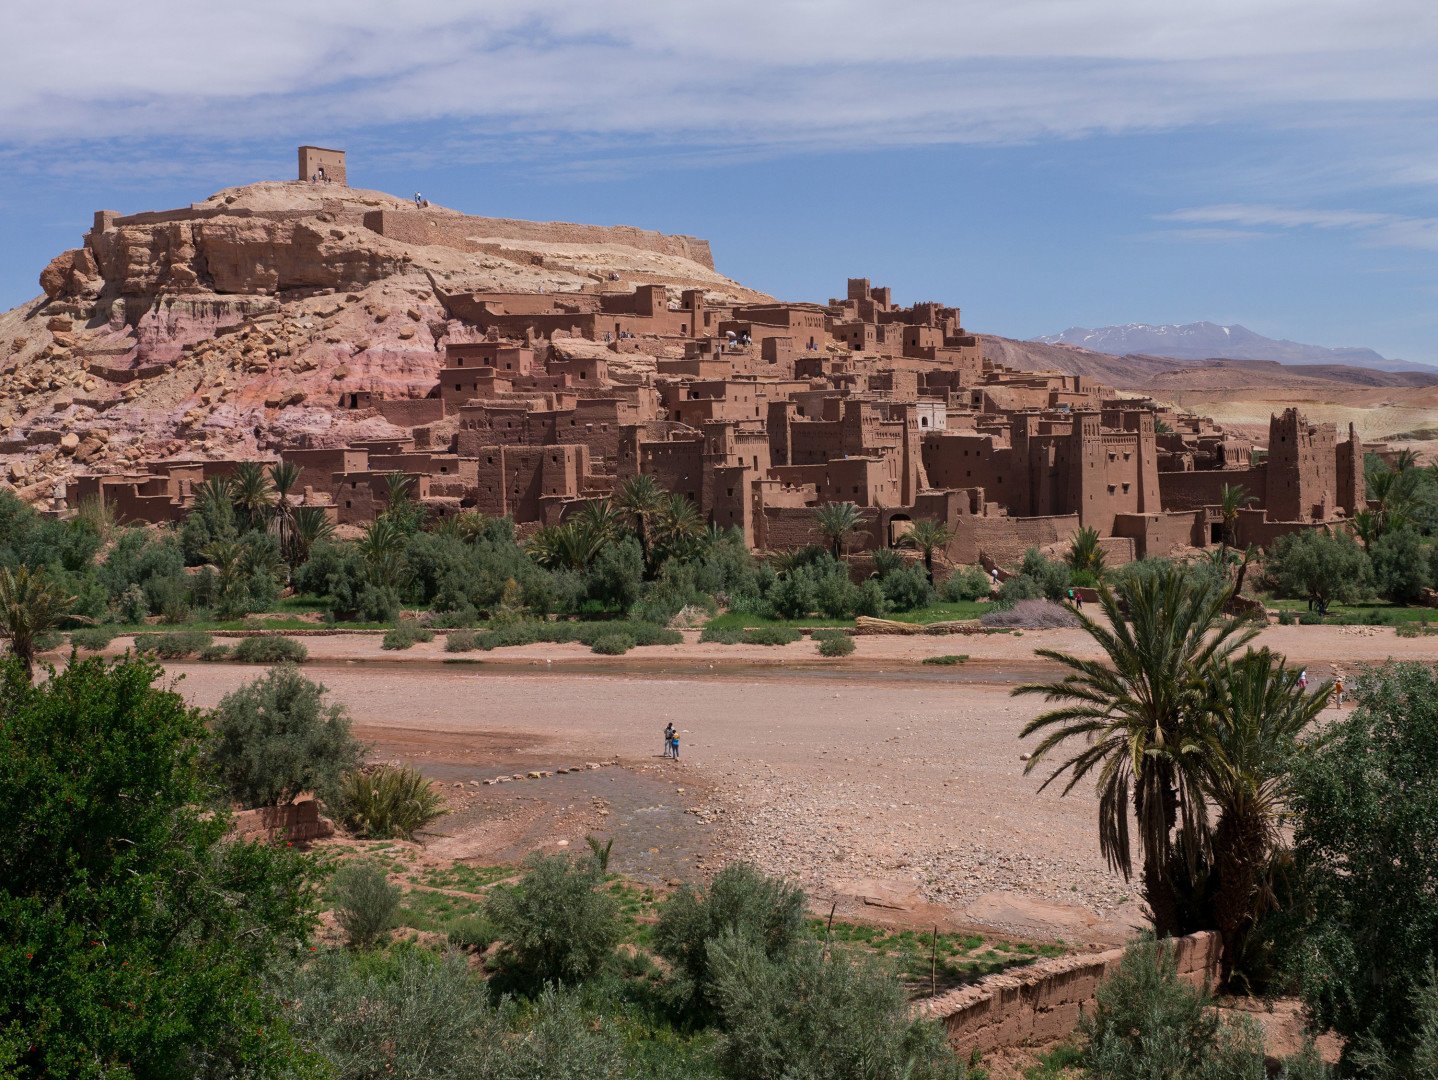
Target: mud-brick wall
x=1005, y=539
x=1042, y=1003
x=467, y=233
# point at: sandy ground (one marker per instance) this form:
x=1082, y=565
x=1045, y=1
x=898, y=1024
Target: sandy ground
x=892, y=788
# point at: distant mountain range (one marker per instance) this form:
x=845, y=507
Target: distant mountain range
x=1209, y=341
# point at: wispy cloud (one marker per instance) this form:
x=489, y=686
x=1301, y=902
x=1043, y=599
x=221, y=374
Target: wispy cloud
x=1374, y=227
x=779, y=75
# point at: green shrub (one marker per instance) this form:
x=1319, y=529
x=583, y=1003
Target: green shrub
x=1017, y=588
x=722, y=635
x=173, y=646
x=92, y=638
x=474, y=933
x=828, y=633
x=1148, y=1023
x=1288, y=618
x=215, y=652
x=277, y=736
x=612, y=644
x=365, y=903
x=771, y=635
x=557, y=924
x=404, y=1012
x=270, y=650
x=947, y=660
x=839, y=646
x=405, y=635
x=1413, y=629
x=1365, y=798
x=1310, y=618
x=740, y=900
x=501, y=637
x=965, y=583
x=461, y=641
x=810, y=1015
x=387, y=802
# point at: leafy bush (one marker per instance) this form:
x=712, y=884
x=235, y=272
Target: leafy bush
x=474, y=933
x=839, y=646
x=1366, y=798
x=1147, y=1023
x=1413, y=629
x=965, y=583
x=947, y=660
x=557, y=924
x=128, y=890
x=215, y=652
x=1288, y=618
x=1400, y=568
x=828, y=633
x=339, y=573
x=277, y=736
x=808, y=1015
x=612, y=644
x=461, y=641
x=740, y=900
x=1029, y=615
x=405, y=635
x=722, y=635
x=1052, y=576
x=173, y=646
x=1316, y=565
x=519, y=633
x=1017, y=589
x=771, y=635
x=92, y=638
x=387, y=802
x=404, y=1012
x=906, y=589
x=365, y=902
x=270, y=650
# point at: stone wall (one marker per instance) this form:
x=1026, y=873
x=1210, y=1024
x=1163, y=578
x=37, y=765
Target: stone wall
x=1041, y=1003
x=466, y=233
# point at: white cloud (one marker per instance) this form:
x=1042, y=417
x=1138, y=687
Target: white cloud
x=778, y=73
x=1373, y=227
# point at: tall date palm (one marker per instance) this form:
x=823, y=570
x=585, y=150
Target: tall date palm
x=1141, y=718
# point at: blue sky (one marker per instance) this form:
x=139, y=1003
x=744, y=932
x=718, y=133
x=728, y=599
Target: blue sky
x=1042, y=163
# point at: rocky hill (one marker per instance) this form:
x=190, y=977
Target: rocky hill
x=235, y=323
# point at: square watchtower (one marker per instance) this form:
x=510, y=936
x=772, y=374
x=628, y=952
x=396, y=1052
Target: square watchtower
x=318, y=162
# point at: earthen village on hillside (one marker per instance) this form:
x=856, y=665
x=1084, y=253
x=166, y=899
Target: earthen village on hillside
x=524, y=369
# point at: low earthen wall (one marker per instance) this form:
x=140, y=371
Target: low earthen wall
x=1041, y=1003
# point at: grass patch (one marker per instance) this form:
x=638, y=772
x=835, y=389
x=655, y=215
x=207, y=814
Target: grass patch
x=1376, y=613
x=961, y=958
x=946, y=660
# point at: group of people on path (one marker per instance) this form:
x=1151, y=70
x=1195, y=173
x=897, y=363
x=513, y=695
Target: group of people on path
x=671, y=741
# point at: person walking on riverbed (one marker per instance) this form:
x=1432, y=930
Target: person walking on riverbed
x=671, y=741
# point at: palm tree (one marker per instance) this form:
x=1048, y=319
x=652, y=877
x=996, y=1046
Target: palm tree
x=250, y=489
x=928, y=535
x=382, y=548
x=568, y=546
x=227, y=557
x=1086, y=552
x=1231, y=499
x=1368, y=527
x=1404, y=460
x=640, y=497
x=1142, y=718
x=1260, y=713
x=311, y=526
x=284, y=477
x=30, y=607
x=469, y=526
x=838, y=521
x=602, y=519
x=679, y=531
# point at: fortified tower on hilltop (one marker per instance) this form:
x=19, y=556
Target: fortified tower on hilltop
x=1310, y=474
x=317, y=162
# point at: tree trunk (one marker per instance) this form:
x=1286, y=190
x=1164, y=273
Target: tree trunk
x=1239, y=855
x=1158, y=888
